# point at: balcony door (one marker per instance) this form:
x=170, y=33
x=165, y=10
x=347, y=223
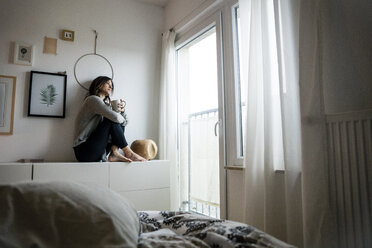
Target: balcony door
x=200, y=120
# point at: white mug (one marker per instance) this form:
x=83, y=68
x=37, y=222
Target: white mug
x=115, y=104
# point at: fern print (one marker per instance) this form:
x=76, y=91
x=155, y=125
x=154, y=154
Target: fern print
x=48, y=95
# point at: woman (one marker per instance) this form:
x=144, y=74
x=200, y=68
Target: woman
x=99, y=130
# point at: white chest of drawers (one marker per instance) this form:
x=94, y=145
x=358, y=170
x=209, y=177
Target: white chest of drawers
x=146, y=184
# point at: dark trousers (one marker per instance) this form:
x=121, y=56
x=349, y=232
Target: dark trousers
x=99, y=141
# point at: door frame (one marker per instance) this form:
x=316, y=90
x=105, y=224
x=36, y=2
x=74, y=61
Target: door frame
x=182, y=39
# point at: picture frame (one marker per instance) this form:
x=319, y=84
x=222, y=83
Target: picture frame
x=7, y=102
x=68, y=35
x=47, y=94
x=23, y=53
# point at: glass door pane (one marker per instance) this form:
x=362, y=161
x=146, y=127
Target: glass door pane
x=198, y=117
x=242, y=96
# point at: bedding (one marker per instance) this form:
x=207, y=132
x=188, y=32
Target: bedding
x=184, y=229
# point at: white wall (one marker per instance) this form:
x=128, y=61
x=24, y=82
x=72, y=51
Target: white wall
x=177, y=10
x=234, y=194
x=129, y=36
x=346, y=37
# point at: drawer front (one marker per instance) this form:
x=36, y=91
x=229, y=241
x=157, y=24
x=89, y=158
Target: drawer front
x=77, y=172
x=139, y=175
x=12, y=173
x=155, y=199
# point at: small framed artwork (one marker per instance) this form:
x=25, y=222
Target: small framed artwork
x=50, y=45
x=68, y=35
x=23, y=53
x=47, y=96
x=7, y=99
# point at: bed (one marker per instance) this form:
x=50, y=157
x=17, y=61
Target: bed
x=66, y=214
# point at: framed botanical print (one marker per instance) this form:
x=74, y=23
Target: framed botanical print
x=47, y=96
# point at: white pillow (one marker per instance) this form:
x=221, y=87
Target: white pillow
x=65, y=214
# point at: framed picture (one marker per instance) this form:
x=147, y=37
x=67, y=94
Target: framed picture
x=23, y=54
x=68, y=35
x=7, y=98
x=47, y=96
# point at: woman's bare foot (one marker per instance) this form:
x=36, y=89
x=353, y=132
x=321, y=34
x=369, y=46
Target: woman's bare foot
x=116, y=156
x=135, y=157
x=129, y=153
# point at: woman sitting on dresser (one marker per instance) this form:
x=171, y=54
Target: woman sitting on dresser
x=99, y=130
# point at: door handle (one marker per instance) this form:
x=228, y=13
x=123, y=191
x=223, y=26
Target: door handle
x=215, y=128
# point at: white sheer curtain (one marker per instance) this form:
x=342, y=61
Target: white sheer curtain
x=285, y=205
x=168, y=113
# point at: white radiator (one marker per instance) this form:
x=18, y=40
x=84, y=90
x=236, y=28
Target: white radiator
x=350, y=176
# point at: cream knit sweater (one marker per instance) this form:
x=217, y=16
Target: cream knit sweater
x=91, y=114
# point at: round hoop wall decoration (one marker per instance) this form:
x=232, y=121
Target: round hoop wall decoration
x=90, y=63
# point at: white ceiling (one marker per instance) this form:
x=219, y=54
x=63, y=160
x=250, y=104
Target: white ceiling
x=160, y=3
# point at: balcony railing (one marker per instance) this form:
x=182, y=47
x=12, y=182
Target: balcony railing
x=199, y=163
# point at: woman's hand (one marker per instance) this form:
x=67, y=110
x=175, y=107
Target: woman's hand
x=121, y=106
